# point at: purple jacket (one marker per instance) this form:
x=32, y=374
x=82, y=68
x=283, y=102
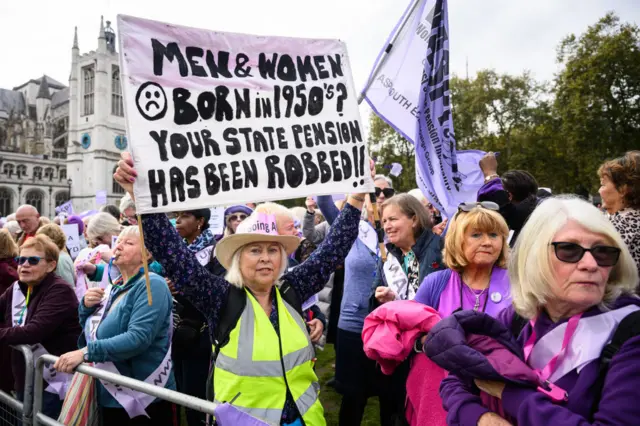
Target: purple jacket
x=618, y=404
x=474, y=345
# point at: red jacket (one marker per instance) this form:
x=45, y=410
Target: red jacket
x=8, y=275
x=52, y=320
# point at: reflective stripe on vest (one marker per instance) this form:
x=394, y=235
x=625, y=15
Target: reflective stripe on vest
x=250, y=366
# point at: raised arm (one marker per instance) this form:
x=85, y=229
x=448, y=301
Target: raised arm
x=311, y=231
x=328, y=208
x=204, y=290
x=311, y=276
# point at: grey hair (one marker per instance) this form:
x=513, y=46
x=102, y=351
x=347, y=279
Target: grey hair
x=102, y=224
x=418, y=195
x=126, y=202
x=129, y=231
x=530, y=268
x=234, y=274
x=385, y=178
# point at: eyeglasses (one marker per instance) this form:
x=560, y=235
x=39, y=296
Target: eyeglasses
x=236, y=217
x=572, y=253
x=489, y=205
x=33, y=260
x=388, y=192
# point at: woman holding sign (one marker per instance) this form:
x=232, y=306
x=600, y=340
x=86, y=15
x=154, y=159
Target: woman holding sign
x=255, y=305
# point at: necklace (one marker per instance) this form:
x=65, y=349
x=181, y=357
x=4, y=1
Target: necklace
x=476, y=305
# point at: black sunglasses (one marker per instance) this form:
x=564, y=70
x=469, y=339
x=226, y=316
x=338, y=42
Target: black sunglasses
x=388, y=192
x=234, y=217
x=572, y=253
x=33, y=260
x=489, y=205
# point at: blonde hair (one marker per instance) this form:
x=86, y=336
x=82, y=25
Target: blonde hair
x=234, y=274
x=43, y=244
x=484, y=220
x=8, y=246
x=55, y=234
x=530, y=269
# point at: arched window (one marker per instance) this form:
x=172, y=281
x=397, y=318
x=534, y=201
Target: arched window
x=48, y=173
x=5, y=202
x=116, y=189
x=37, y=172
x=35, y=197
x=116, y=92
x=61, y=198
x=22, y=170
x=88, y=75
x=63, y=174
x=8, y=169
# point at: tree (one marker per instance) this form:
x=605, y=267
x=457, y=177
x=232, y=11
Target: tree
x=598, y=95
x=387, y=146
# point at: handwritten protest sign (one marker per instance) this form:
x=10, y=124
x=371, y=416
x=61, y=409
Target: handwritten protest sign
x=221, y=118
x=216, y=222
x=65, y=208
x=73, y=239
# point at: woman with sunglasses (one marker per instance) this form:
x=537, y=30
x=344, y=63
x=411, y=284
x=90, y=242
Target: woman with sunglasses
x=233, y=216
x=572, y=279
x=620, y=192
x=41, y=309
x=384, y=188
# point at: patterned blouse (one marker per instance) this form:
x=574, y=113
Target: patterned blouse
x=208, y=292
x=627, y=223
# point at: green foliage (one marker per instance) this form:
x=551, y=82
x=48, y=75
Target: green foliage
x=560, y=131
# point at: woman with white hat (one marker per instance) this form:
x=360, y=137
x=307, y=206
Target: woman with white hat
x=248, y=311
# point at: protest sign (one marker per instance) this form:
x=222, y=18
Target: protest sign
x=216, y=221
x=65, y=208
x=101, y=198
x=221, y=118
x=73, y=239
x=410, y=91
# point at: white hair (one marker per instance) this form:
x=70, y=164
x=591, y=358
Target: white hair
x=13, y=227
x=418, y=195
x=530, y=267
x=102, y=224
x=126, y=202
x=234, y=274
x=129, y=231
x=385, y=178
x=298, y=213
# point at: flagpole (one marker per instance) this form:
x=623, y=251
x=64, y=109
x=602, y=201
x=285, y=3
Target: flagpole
x=387, y=49
x=372, y=78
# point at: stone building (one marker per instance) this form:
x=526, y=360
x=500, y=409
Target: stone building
x=56, y=139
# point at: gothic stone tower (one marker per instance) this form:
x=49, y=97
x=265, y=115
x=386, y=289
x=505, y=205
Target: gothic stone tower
x=96, y=121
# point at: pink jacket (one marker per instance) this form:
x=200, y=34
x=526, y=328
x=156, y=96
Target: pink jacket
x=391, y=330
x=389, y=334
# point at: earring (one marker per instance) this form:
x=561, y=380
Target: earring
x=199, y=227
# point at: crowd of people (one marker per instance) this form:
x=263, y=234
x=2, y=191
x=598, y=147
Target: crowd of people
x=513, y=311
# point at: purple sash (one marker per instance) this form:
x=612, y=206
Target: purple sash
x=498, y=294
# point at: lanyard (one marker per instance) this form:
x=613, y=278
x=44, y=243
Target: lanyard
x=548, y=370
x=24, y=308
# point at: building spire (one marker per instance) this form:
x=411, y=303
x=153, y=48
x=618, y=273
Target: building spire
x=75, y=38
x=101, y=27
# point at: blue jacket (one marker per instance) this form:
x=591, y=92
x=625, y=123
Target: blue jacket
x=428, y=251
x=133, y=335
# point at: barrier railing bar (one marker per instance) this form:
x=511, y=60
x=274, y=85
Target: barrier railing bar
x=27, y=416
x=137, y=385
x=9, y=400
x=41, y=419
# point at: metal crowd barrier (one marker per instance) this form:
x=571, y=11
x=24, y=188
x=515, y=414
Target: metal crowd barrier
x=178, y=398
x=12, y=411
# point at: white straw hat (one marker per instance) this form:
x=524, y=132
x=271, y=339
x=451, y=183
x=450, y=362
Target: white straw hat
x=257, y=228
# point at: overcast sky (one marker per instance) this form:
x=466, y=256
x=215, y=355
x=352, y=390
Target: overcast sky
x=507, y=35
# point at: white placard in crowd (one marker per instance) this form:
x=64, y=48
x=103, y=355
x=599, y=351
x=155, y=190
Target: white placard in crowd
x=221, y=118
x=216, y=222
x=73, y=239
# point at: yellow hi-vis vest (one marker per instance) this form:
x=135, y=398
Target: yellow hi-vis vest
x=257, y=366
